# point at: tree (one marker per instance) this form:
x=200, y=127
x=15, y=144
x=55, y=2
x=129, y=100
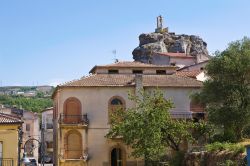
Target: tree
x=227, y=92
x=148, y=128
x=33, y=104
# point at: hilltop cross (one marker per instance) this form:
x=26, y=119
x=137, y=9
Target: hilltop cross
x=159, y=28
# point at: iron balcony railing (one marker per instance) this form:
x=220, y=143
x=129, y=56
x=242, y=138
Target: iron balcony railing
x=6, y=162
x=74, y=154
x=74, y=119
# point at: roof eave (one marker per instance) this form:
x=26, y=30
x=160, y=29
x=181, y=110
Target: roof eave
x=93, y=69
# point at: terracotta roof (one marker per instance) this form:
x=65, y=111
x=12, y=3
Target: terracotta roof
x=121, y=80
x=9, y=119
x=133, y=64
x=206, y=61
x=192, y=73
x=175, y=55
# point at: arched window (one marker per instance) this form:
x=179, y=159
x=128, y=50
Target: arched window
x=73, y=145
x=72, y=111
x=116, y=103
x=117, y=157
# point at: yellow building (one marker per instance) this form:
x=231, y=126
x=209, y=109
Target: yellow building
x=9, y=126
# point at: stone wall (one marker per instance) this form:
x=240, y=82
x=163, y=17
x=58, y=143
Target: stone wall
x=212, y=159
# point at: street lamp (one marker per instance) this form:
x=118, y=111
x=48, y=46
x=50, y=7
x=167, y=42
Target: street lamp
x=25, y=159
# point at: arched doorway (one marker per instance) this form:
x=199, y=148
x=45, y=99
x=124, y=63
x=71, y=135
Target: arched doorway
x=117, y=157
x=73, y=145
x=72, y=111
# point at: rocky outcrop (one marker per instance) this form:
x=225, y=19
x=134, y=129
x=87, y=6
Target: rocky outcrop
x=169, y=42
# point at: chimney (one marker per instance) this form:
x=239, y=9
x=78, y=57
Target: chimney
x=138, y=85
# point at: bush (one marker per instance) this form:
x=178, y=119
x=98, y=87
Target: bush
x=228, y=163
x=246, y=131
x=217, y=146
x=178, y=158
x=228, y=136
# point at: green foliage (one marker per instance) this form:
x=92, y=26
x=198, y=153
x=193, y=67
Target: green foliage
x=177, y=159
x=231, y=147
x=33, y=104
x=228, y=163
x=148, y=127
x=25, y=89
x=202, y=129
x=40, y=94
x=224, y=137
x=246, y=131
x=227, y=92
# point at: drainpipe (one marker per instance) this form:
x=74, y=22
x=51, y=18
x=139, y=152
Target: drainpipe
x=20, y=139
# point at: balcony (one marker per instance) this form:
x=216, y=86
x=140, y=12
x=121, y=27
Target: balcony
x=6, y=162
x=73, y=120
x=74, y=155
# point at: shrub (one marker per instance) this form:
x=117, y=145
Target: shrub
x=228, y=136
x=178, y=158
x=246, y=131
x=231, y=147
x=228, y=163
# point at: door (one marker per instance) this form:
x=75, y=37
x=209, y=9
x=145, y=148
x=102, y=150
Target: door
x=72, y=111
x=116, y=157
x=74, y=145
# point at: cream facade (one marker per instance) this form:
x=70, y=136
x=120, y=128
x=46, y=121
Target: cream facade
x=81, y=114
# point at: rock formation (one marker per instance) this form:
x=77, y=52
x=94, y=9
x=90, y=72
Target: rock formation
x=168, y=42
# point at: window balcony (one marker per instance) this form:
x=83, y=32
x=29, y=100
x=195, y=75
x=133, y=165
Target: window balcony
x=73, y=120
x=74, y=155
x=7, y=161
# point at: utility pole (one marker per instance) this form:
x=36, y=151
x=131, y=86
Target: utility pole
x=42, y=145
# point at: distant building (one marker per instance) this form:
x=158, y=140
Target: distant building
x=177, y=59
x=30, y=128
x=9, y=139
x=47, y=121
x=196, y=71
x=45, y=89
x=29, y=93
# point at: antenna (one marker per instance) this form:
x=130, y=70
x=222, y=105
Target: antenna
x=114, y=53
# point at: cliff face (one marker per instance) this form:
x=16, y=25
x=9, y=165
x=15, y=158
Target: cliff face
x=169, y=42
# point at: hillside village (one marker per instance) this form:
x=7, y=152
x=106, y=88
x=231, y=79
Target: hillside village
x=74, y=130
x=26, y=91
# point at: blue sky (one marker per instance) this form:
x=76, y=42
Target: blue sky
x=48, y=42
